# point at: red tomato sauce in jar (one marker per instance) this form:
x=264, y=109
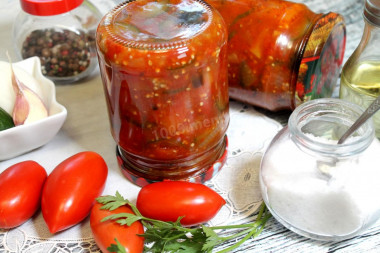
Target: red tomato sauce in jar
x=164, y=71
x=278, y=52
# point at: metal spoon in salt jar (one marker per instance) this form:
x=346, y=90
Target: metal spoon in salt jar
x=325, y=165
x=371, y=110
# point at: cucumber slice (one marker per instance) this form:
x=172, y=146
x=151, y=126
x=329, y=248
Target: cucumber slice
x=6, y=120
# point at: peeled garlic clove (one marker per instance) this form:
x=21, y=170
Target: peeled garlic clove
x=28, y=108
x=28, y=105
x=37, y=109
x=20, y=109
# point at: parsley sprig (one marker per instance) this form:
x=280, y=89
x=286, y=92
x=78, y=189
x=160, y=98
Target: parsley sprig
x=173, y=237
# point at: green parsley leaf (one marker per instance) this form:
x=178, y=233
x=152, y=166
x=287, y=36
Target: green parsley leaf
x=112, y=202
x=172, y=240
x=123, y=218
x=212, y=239
x=172, y=237
x=118, y=248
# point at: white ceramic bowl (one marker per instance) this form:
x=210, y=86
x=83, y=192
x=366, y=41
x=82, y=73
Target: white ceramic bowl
x=24, y=138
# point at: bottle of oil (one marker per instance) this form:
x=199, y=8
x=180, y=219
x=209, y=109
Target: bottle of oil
x=360, y=79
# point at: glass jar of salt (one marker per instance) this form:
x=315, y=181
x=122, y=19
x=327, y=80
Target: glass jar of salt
x=316, y=187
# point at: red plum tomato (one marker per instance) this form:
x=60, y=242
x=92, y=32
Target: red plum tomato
x=20, y=192
x=105, y=232
x=71, y=188
x=169, y=200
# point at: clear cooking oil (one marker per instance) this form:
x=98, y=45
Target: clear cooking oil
x=360, y=77
x=360, y=84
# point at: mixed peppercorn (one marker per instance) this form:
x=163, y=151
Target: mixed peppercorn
x=63, y=53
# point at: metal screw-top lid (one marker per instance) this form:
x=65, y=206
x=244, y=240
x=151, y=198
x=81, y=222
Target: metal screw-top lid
x=372, y=11
x=152, y=24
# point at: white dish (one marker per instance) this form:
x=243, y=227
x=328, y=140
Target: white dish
x=24, y=138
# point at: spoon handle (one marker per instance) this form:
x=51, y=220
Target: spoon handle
x=371, y=110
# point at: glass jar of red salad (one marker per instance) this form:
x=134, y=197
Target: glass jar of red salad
x=164, y=69
x=280, y=53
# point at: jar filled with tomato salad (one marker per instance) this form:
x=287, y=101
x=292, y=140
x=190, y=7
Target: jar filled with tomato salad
x=164, y=68
x=280, y=53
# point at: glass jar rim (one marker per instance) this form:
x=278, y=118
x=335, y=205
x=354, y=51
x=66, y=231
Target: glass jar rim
x=164, y=45
x=311, y=111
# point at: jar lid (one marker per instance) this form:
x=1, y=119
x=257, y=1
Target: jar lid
x=49, y=7
x=150, y=24
x=322, y=59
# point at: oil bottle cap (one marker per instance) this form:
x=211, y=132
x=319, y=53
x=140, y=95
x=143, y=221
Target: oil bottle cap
x=372, y=11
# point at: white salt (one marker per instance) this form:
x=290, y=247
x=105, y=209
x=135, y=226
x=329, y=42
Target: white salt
x=338, y=204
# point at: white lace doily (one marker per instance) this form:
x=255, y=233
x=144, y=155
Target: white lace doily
x=249, y=133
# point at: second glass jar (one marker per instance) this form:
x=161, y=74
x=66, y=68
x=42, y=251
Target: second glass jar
x=164, y=70
x=280, y=53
